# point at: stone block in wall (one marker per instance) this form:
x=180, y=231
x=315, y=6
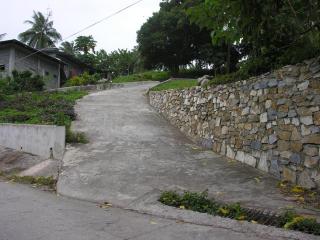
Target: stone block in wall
x=316, y=118
x=289, y=174
x=312, y=139
x=274, y=168
x=250, y=160
x=263, y=164
x=230, y=153
x=296, y=146
x=240, y=156
x=283, y=145
x=305, y=180
x=311, y=150
x=311, y=162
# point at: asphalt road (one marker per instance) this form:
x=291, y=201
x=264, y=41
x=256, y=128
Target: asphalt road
x=31, y=214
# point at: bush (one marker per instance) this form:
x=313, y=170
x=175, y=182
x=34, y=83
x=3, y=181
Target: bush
x=21, y=82
x=228, y=78
x=193, y=73
x=145, y=76
x=83, y=79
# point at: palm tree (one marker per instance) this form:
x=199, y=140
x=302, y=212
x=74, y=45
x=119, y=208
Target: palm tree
x=68, y=47
x=2, y=35
x=42, y=34
x=85, y=43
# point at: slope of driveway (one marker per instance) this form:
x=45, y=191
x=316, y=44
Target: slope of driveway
x=133, y=151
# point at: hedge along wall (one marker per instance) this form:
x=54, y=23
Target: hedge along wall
x=270, y=122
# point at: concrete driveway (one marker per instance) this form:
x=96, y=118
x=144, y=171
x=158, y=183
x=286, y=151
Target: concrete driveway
x=134, y=153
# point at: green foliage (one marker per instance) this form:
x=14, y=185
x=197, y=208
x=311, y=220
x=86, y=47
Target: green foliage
x=229, y=78
x=145, y=76
x=193, y=73
x=75, y=137
x=37, y=181
x=20, y=82
x=200, y=202
x=85, y=43
x=83, y=79
x=175, y=84
x=291, y=220
x=42, y=108
x=42, y=34
x=271, y=33
x=68, y=47
x=118, y=62
x=168, y=40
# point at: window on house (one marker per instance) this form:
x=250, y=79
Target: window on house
x=2, y=67
x=47, y=73
x=54, y=76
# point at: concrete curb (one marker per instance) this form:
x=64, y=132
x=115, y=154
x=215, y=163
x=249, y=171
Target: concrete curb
x=149, y=204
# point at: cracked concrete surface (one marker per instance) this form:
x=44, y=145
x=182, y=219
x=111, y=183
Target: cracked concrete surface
x=133, y=151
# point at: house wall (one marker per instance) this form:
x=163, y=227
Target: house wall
x=270, y=122
x=38, y=65
x=71, y=69
x=4, y=59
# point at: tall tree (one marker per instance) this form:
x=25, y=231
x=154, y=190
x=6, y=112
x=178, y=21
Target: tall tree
x=41, y=34
x=85, y=43
x=274, y=33
x=169, y=40
x=68, y=47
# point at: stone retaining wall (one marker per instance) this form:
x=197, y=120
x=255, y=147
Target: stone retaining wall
x=270, y=122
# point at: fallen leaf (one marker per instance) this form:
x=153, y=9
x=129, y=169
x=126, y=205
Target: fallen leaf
x=297, y=189
x=220, y=193
x=300, y=199
x=153, y=223
x=257, y=179
x=253, y=221
x=182, y=207
x=105, y=205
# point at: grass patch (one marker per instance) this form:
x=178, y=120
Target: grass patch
x=200, y=202
x=175, y=84
x=301, y=195
x=76, y=137
x=47, y=108
x=36, y=181
x=145, y=76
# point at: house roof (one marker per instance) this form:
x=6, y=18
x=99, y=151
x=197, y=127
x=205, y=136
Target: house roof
x=31, y=49
x=65, y=56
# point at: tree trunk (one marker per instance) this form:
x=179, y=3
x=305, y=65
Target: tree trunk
x=229, y=58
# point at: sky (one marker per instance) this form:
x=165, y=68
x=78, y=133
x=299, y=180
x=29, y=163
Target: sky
x=70, y=16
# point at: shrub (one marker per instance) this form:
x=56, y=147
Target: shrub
x=193, y=73
x=228, y=78
x=25, y=81
x=145, y=76
x=21, y=82
x=83, y=79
